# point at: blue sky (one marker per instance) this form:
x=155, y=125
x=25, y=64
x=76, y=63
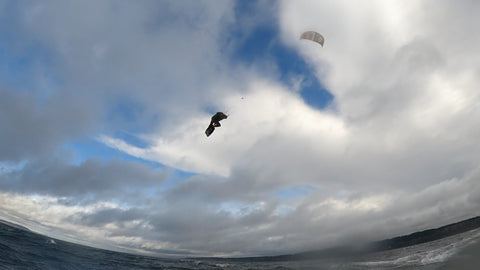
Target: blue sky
x=104, y=106
x=261, y=43
x=125, y=118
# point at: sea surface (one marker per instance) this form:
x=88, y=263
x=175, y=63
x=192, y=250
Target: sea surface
x=23, y=249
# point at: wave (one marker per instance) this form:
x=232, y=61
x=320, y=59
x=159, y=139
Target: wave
x=434, y=252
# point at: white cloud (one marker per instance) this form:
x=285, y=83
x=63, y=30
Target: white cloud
x=398, y=154
x=264, y=117
x=405, y=122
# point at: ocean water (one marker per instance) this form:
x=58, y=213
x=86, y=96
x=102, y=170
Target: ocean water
x=21, y=249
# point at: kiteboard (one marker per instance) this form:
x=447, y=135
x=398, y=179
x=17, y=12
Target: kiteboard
x=209, y=130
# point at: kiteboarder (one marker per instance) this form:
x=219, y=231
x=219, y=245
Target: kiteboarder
x=215, y=122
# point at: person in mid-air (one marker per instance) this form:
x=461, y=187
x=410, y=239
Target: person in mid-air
x=215, y=122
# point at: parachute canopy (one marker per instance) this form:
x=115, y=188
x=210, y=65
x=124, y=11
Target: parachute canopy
x=313, y=36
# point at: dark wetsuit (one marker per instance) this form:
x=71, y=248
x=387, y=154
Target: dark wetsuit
x=219, y=116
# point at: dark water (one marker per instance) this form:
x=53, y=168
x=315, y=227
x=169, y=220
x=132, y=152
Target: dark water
x=22, y=249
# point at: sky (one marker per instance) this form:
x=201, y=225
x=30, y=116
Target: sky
x=104, y=105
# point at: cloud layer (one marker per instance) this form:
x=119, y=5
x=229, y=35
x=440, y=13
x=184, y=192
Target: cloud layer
x=394, y=152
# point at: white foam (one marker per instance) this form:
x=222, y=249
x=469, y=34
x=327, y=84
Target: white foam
x=51, y=241
x=424, y=254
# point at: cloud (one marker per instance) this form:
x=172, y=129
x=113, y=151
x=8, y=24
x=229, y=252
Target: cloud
x=395, y=152
x=245, y=228
x=268, y=111
x=91, y=180
x=30, y=129
x=140, y=52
